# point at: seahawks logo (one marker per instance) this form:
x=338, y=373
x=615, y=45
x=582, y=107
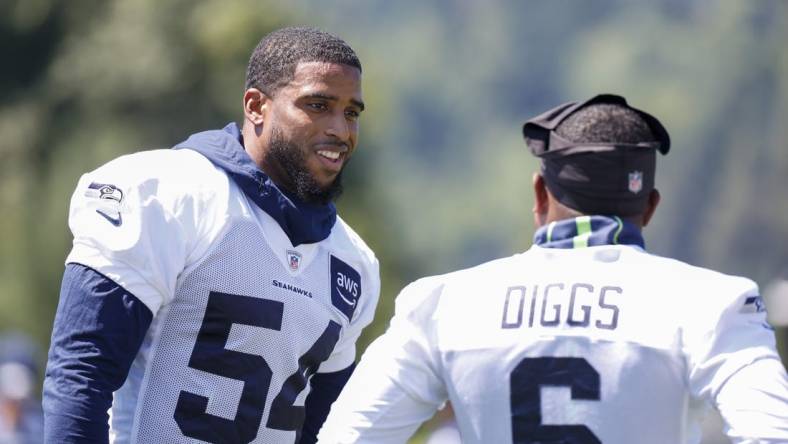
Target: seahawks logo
x=104, y=191
x=753, y=304
x=109, y=198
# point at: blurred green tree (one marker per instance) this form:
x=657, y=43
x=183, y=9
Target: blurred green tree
x=442, y=179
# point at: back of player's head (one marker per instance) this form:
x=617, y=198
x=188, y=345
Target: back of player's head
x=607, y=123
x=274, y=60
x=598, y=156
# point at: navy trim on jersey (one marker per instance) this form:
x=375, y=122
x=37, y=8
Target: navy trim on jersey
x=98, y=330
x=304, y=223
x=325, y=390
x=588, y=231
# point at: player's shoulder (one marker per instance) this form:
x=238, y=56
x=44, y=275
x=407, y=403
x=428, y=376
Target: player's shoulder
x=480, y=275
x=680, y=271
x=169, y=177
x=417, y=300
x=694, y=284
x=183, y=167
x=426, y=293
x=345, y=241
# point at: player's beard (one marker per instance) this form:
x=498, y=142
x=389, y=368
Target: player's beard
x=290, y=157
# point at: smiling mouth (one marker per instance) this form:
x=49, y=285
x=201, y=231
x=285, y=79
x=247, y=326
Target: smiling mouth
x=331, y=159
x=330, y=155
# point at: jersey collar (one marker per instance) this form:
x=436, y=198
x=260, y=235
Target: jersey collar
x=588, y=231
x=304, y=223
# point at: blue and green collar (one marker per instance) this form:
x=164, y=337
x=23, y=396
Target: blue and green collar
x=588, y=231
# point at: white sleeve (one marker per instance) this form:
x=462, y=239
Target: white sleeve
x=397, y=384
x=133, y=226
x=344, y=353
x=754, y=403
x=735, y=367
x=728, y=332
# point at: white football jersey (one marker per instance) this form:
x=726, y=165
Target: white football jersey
x=241, y=316
x=604, y=344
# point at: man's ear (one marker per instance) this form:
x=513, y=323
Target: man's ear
x=255, y=106
x=651, y=206
x=540, y=200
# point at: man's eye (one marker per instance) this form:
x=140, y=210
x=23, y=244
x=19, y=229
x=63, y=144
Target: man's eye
x=352, y=115
x=317, y=106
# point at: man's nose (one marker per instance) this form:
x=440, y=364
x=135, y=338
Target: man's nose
x=339, y=127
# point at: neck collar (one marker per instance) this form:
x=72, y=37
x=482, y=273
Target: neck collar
x=304, y=223
x=588, y=231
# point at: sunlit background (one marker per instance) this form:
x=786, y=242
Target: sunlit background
x=442, y=178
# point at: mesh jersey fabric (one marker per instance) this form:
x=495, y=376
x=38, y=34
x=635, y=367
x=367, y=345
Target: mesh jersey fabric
x=228, y=299
x=599, y=344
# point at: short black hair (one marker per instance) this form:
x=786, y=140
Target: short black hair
x=274, y=60
x=605, y=123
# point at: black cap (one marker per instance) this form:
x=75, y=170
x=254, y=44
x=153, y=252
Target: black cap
x=607, y=178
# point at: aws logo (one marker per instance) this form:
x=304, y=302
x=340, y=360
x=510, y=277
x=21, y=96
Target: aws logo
x=345, y=287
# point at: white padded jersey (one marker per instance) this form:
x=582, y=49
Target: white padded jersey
x=605, y=344
x=241, y=316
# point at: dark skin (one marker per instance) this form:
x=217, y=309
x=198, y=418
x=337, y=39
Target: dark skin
x=317, y=110
x=548, y=209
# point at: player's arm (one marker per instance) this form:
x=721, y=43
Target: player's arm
x=334, y=373
x=754, y=403
x=129, y=246
x=737, y=369
x=98, y=329
x=396, y=385
x=325, y=390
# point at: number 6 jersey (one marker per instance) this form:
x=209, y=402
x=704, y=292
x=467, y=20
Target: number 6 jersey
x=242, y=317
x=585, y=338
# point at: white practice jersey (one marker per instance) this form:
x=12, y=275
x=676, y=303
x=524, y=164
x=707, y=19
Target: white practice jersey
x=605, y=344
x=240, y=314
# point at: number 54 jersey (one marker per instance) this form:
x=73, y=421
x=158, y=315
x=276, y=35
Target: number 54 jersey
x=242, y=318
x=604, y=344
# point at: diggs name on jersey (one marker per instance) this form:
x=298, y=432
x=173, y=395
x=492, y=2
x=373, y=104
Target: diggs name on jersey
x=576, y=305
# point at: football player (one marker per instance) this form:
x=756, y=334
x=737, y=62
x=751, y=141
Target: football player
x=212, y=293
x=585, y=338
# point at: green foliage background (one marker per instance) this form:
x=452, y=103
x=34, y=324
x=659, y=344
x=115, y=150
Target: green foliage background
x=442, y=178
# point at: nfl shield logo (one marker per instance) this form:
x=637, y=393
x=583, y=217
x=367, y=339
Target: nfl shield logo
x=635, y=181
x=293, y=259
